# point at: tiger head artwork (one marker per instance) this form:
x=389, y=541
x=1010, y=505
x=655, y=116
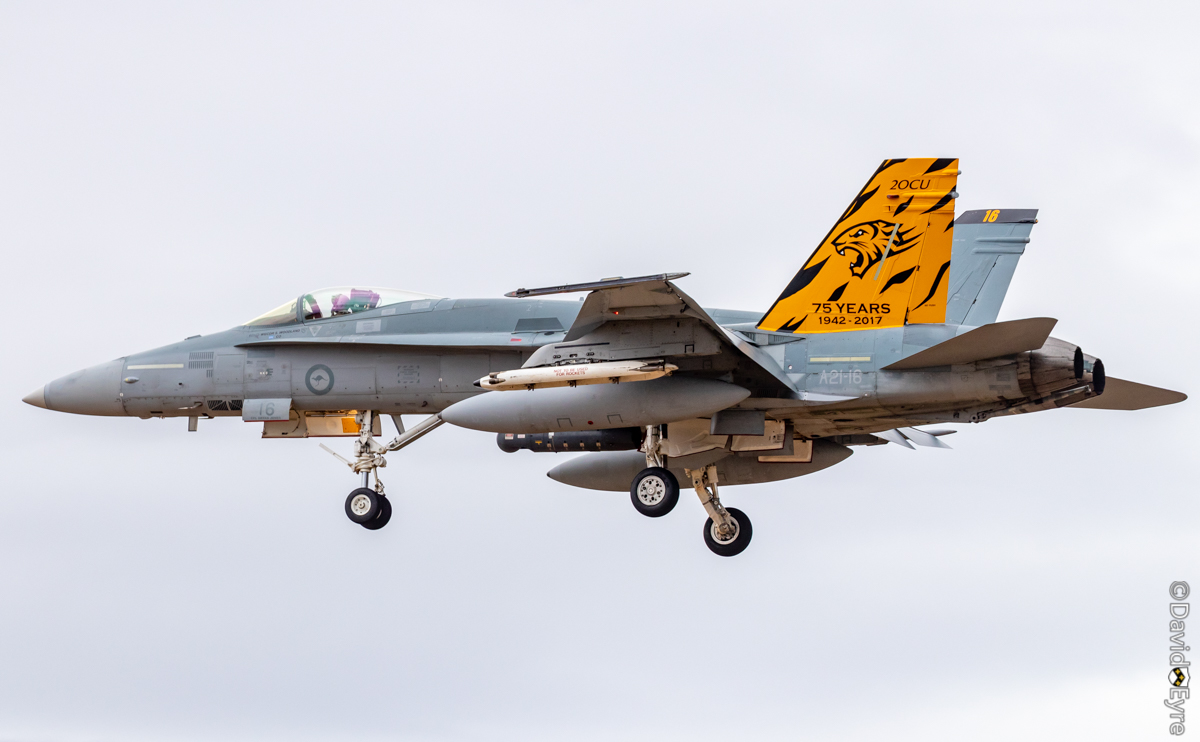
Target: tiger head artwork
x=865, y=244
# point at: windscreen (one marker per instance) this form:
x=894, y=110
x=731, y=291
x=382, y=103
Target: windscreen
x=344, y=300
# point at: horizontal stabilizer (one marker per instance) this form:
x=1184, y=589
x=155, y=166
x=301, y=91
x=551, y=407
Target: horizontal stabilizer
x=989, y=341
x=1130, y=395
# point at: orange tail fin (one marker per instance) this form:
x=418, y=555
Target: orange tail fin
x=885, y=263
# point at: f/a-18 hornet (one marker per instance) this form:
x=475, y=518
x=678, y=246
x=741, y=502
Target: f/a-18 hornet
x=888, y=326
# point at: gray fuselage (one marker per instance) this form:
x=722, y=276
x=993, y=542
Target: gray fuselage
x=423, y=356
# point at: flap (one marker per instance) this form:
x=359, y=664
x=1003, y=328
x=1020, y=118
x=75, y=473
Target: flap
x=989, y=341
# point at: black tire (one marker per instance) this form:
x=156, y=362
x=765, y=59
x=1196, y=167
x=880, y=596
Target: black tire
x=654, y=492
x=362, y=505
x=385, y=514
x=740, y=540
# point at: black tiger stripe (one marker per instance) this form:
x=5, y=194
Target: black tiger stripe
x=939, y=164
x=941, y=272
x=859, y=202
x=803, y=278
x=945, y=200
x=899, y=278
x=792, y=325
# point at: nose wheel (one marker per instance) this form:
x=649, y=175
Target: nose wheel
x=366, y=506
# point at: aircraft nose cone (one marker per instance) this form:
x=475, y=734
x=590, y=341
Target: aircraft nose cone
x=37, y=398
x=92, y=391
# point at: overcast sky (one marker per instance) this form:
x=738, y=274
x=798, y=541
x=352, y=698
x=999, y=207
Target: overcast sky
x=172, y=169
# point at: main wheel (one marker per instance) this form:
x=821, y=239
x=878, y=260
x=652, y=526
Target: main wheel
x=385, y=514
x=363, y=505
x=733, y=545
x=654, y=491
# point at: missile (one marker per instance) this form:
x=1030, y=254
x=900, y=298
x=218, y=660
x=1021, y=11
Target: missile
x=664, y=400
x=614, y=439
x=576, y=374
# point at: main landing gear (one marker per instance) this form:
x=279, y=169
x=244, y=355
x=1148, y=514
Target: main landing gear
x=727, y=532
x=369, y=506
x=655, y=491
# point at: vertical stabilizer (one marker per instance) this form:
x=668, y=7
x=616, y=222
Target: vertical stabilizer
x=886, y=260
x=987, y=245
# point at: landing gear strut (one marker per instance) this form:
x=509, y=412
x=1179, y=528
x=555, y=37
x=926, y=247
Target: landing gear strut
x=655, y=490
x=369, y=506
x=727, y=531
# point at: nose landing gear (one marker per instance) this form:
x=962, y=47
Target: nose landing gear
x=369, y=506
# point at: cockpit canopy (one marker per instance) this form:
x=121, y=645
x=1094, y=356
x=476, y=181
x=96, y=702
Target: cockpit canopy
x=334, y=302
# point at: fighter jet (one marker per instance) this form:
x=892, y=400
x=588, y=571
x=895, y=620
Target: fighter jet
x=889, y=326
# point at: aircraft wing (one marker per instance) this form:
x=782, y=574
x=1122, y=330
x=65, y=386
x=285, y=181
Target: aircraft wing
x=625, y=299
x=1120, y=394
x=654, y=297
